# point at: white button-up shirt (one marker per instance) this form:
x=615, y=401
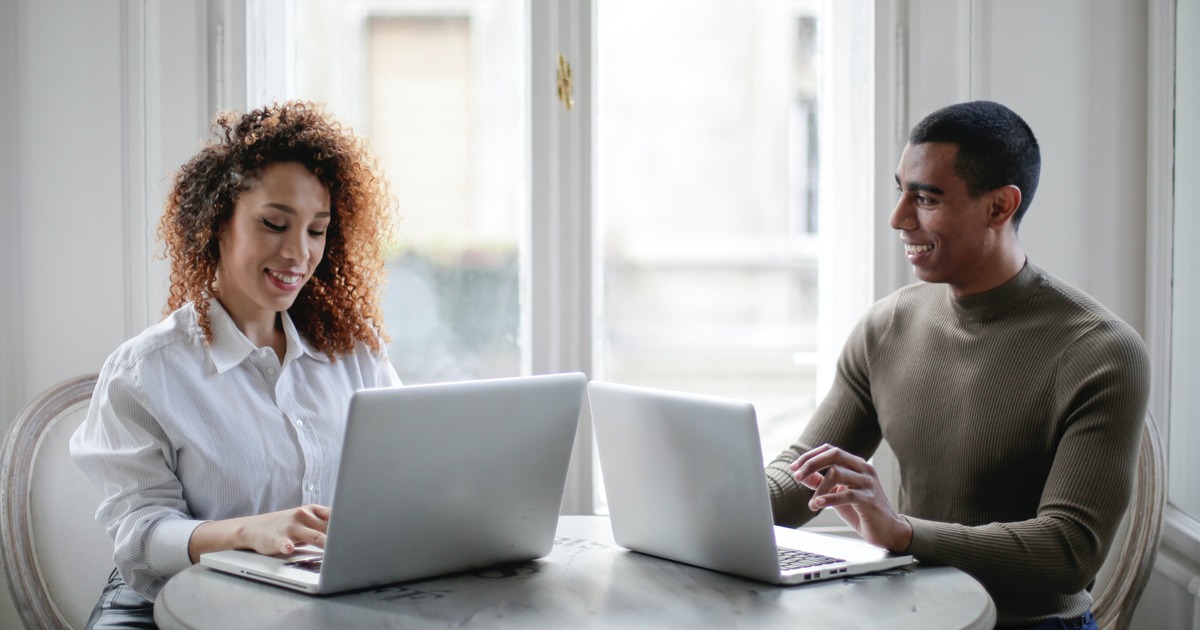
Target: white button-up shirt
x=180, y=432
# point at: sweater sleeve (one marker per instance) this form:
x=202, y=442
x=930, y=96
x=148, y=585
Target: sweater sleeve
x=845, y=418
x=1101, y=391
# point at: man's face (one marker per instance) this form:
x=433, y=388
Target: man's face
x=947, y=234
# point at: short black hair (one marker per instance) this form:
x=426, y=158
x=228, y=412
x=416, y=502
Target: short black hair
x=995, y=147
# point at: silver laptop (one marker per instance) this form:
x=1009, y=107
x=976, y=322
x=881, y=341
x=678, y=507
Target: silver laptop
x=684, y=479
x=437, y=479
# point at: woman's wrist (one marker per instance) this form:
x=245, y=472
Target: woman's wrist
x=213, y=536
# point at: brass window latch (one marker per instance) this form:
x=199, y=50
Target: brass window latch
x=565, y=94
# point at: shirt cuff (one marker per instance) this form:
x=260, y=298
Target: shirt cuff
x=169, y=545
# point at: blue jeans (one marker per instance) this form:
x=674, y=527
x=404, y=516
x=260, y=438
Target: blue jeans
x=1083, y=622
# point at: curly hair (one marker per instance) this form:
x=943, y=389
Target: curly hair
x=339, y=305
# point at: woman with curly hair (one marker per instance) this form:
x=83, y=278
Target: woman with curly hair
x=221, y=426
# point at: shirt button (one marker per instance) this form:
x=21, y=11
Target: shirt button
x=308, y=486
x=270, y=371
x=299, y=423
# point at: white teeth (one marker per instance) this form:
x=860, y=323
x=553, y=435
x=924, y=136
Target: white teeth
x=284, y=278
x=916, y=249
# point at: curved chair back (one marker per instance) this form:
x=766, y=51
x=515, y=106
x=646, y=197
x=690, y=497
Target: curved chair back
x=1127, y=569
x=57, y=556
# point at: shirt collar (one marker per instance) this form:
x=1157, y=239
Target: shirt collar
x=297, y=344
x=230, y=346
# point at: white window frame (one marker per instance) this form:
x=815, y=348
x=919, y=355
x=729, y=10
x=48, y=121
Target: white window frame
x=559, y=260
x=251, y=66
x=236, y=62
x=1181, y=532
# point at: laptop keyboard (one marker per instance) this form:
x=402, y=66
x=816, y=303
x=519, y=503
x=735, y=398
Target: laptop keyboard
x=795, y=559
x=308, y=564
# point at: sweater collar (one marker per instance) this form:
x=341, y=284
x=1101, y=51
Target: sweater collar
x=996, y=302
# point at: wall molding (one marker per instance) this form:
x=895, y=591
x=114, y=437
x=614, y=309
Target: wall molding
x=1160, y=148
x=166, y=108
x=133, y=164
x=1181, y=533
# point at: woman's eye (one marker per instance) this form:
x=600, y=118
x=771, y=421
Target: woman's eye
x=316, y=233
x=273, y=226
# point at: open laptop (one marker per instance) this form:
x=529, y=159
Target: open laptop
x=436, y=479
x=684, y=479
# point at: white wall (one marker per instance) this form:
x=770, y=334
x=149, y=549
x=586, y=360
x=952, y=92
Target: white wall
x=12, y=393
x=64, y=282
x=1075, y=69
x=71, y=223
x=1085, y=94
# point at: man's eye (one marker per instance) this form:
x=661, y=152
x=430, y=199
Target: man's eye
x=273, y=226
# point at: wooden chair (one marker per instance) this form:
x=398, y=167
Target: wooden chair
x=57, y=556
x=1127, y=569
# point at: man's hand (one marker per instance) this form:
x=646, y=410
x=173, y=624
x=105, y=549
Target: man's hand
x=850, y=485
x=271, y=533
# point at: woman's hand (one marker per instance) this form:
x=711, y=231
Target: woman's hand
x=272, y=533
x=850, y=485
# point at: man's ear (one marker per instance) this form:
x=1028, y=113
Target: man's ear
x=1004, y=203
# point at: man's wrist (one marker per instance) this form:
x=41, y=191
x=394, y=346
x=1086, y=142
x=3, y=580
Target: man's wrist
x=904, y=536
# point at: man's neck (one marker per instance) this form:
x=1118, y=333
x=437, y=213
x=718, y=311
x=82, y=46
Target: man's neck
x=1004, y=267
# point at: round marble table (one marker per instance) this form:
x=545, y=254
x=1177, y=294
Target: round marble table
x=587, y=581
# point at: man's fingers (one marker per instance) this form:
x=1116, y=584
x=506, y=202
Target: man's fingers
x=812, y=481
x=841, y=486
x=807, y=455
x=828, y=457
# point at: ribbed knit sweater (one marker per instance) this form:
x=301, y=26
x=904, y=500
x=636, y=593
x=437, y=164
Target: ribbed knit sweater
x=1015, y=416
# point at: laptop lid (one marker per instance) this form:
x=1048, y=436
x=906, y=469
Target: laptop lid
x=439, y=478
x=684, y=479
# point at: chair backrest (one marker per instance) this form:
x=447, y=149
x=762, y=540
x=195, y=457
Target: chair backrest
x=1127, y=569
x=57, y=556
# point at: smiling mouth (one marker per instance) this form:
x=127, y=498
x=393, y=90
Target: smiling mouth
x=913, y=250
x=285, y=278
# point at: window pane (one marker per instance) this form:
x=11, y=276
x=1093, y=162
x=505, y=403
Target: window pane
x=707, y=169
x=439, y=89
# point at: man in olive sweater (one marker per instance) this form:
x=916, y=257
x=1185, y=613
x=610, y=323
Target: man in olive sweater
x=1013, y=401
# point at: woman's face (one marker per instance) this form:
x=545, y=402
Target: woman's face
x=272, y=243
